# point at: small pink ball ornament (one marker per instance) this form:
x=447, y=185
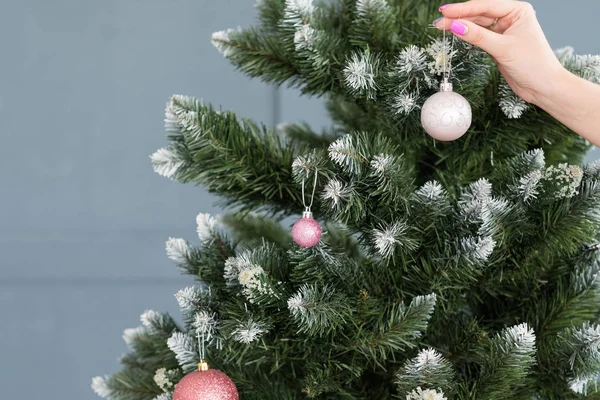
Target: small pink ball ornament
x=306, y=232
x=446, y=115
x=205, y=384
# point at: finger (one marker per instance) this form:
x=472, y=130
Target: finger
x=444, y=23
x=488, y=8
x=491, y=42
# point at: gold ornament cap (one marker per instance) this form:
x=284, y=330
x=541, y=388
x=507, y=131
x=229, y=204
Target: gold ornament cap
x=202, y=366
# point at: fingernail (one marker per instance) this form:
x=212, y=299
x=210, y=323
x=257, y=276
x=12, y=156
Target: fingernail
x=437, y=20
x=459, y=28
x=444, y=6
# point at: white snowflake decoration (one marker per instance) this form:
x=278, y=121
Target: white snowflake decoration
x=439, y=51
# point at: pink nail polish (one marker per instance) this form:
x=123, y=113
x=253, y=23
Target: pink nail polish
x=459, y=28
x=444, y=6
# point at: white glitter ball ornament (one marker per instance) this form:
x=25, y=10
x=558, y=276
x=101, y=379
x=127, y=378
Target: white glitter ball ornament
x=446, y=115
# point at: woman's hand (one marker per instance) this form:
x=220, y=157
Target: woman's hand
x=509, y=31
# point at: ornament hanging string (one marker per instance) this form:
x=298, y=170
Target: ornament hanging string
x=312, y=196
x=202, y=365
x=447, y=71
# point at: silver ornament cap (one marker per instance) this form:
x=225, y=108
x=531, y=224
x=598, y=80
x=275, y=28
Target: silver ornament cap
x=446, y=115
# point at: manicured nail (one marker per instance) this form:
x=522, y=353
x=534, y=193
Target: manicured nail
x=459, y=28
x=437, y=20
x=444, y=6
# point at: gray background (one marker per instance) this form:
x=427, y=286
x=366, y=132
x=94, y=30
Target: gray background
x=83, y=219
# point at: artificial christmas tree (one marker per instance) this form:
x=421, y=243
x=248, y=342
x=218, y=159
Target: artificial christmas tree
x=446, y=270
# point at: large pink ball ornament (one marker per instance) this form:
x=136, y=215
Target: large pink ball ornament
x=306, y=232
x=205, y=384
x=446, y=115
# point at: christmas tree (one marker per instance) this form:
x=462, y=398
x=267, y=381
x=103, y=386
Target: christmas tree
x=446, y=270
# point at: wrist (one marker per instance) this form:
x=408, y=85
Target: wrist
x=557, y=84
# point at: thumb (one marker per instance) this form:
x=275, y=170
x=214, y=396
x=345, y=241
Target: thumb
x=491, y=42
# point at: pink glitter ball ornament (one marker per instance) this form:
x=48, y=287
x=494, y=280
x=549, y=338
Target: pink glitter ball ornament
x=306, y=232
x=206, y=384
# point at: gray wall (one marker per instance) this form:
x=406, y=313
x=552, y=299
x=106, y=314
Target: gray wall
x=84, y=219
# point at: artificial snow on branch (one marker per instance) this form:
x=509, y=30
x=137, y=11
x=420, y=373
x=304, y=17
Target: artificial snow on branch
x=166, y=163
x=222, y=42
x=156, y=322
x=178, y=250
x=100, y=387
x=427, y=369
x=387, y=238
x=399, y=328
x=336, y=193
x=193, y=297
x=206, y=227
x=512, y=105
x=359, y=72
x=478, y=249
x=318, y=309
x=249, y=331
x=427, y=394
x=404, y=103
x=431, y=192
x=528, y=187
x=508, y=360
x=205, y=323
x=185, y=349
x=473, y=199
x=132, y=334
x=580, y=351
